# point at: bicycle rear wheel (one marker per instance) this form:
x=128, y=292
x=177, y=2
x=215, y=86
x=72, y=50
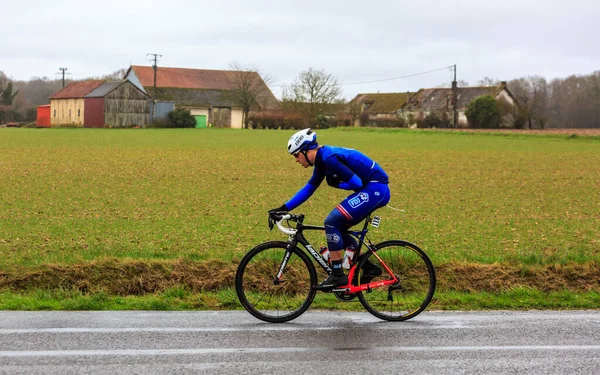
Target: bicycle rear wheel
x=415, y=287
x=270, y=300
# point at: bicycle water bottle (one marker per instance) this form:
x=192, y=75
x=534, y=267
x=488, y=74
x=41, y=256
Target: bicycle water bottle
x=325, y=253
x=348, y=257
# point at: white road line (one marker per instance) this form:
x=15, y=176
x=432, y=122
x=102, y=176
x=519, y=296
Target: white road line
x=258, y=328
x=168, y=352
x=159, y=329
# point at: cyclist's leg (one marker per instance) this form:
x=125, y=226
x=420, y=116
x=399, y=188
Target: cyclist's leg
x=349, y=212
x=358, y=206
x=334, y=225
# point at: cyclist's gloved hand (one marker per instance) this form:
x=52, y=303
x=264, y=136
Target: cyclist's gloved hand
x=277, y=210
x=273, y=215
x=333, y=180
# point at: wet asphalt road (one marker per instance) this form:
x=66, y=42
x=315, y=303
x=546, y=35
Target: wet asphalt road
x=319, y=342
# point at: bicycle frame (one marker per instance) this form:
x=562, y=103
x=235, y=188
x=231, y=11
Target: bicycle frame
x=297, y=237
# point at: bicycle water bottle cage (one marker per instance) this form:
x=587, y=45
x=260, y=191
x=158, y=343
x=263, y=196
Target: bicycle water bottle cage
x=375, y=221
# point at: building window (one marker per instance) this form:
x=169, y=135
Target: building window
x=79, y=113
x=55, y=113
x=69, y=112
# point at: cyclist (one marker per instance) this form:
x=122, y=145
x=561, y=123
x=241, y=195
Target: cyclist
x=347, y=169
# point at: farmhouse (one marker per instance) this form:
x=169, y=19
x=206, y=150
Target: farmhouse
x=438, y=101
x=208, y=94
x=377, y=109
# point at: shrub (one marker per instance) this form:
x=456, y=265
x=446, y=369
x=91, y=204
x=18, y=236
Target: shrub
x=181, y=118
x=483, y=112
x=322, y=122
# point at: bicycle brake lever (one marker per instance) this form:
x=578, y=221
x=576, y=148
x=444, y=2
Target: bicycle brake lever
x=271, y=224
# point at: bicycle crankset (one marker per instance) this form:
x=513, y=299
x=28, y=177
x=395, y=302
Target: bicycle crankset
x=344, y=297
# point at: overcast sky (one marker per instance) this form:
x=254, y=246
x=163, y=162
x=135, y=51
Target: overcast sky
x=355, y=41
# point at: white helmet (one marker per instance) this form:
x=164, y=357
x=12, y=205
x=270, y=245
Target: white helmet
x=303, y=140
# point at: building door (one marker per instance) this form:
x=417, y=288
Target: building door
x=200, y=121
x=221, y=117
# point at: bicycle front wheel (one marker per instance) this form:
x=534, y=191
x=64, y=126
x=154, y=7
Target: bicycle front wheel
x=269, y=299
x=414, y=289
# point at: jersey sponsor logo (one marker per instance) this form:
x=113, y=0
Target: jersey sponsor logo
x=358, y=200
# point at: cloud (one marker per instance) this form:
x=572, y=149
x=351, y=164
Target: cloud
x=355, y=41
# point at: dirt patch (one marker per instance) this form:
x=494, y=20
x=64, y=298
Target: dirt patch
x=123, y=278
x=501, y=277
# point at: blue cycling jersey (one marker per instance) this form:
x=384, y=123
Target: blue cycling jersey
x=342, y=163
x=344, y=168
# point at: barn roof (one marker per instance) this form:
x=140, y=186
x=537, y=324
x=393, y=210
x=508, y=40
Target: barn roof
x=76, y=90
x=382, y=102
x=441, y=98
x=104, y=89
x=108, y=87
x=185, y=78
x=203, y=79
x=193, y=97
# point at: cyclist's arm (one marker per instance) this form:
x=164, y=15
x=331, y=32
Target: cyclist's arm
x=303, y=194
x=354, y=184
x=349, y=180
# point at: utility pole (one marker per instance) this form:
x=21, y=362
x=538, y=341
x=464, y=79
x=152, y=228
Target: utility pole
x=155, y=68
x=63, y=70
x=454, y=99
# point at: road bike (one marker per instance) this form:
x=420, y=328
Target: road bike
x=275, y=280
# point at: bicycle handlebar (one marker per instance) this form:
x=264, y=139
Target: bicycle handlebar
x=285, y=230
x=278, y=219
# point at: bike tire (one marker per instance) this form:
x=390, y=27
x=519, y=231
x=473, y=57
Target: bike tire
x=261, y=296
x=414, y=290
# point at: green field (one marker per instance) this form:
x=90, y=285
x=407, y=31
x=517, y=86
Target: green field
x=158, y=219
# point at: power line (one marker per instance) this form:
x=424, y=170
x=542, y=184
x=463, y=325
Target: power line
x=393, y=78
x=388, y=79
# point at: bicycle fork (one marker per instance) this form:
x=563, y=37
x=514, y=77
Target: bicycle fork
x=286, y=258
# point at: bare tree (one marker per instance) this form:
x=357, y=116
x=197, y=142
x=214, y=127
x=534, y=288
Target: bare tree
x=489, y=82
x=3, y=80
x=532, y=97
x=117, y=75
x=312, y=92
x=592, y=85
x=252, y=91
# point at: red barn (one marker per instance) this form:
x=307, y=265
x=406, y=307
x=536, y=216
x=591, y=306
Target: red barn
x=43, y=116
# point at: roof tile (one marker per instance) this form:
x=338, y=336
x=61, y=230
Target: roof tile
x=76, y=90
